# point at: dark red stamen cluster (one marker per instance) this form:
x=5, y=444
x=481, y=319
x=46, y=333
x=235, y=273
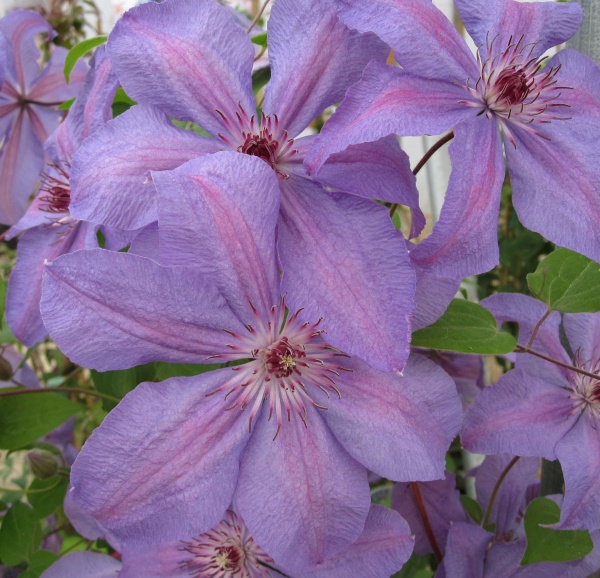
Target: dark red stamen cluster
x=56, y=192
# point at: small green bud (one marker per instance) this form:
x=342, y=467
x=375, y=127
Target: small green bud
x=43, y=463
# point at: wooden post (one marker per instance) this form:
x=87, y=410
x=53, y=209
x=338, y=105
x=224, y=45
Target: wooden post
x=587, y=40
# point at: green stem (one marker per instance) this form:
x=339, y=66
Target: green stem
x=488, y=512
x=63, y=389
x=426, y=522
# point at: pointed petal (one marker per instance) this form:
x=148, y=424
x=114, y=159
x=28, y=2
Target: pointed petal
x=314, y=60
x=545, y=23
x=382, y=549
x=388, y=101
x=88, y=564
x=511, y=499
x=219, y=213
x=465, y=239
x=376, y=170
x=51, y=87
x=305, y=482
x=189, y=58
x=564, y=171
x=25, y=284
x=360, y=281
x=465, y=551
x=164, y=463
x=579, y=455
x=583, y=333
x=110, y=181
x=424, y=41
x=92, y=108
x=86, y=525
x=443, y=507
x=109, y=310
x=21, y=159
x=521, y=415
x=20, y=27
x=399, y=427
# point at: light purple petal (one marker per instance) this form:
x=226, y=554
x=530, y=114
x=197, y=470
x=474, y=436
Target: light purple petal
x=21, y=159
x=465, y=551
x=25, y=284
x=314, y=59
x=145, y=242
x=563, y=173
x=388, y=101
x=86, y=525
x=33, y=217
x=443, y=507
x=424, y=41
x=110, y=181
x=303, y=482
x=189, y=58
x=51, y=87
x=583, y=333
x=219, y=213
x=20, y=28
x=382, y=549
x=360, y=281
x=154, y=561
x=521, y=415
x=24, y=375
x=92, y=108
x=544, y=23
x=376, y=170
x=109, y=310
x=511, y=500
x=579, y=455
x=433, y=295
x=397, y=426
x=164, y=463
x=465, y=239
x=88, y=564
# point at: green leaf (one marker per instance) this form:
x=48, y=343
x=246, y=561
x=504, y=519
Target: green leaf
x=167, y=370
x=548, y=545
x=47, y=496
x=27, y=417
x=80, y=50
x=568, y=282
x=19, y=535
x=260, y=39
x=260, y=78
x=120, y=383
x=472, y=508
x=40, y=561
x=121, y=102
x=3, y=284
x=66, y=105
x=465, y=327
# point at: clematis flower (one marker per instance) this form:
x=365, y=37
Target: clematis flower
x=543, y=410
x=191, y=60
x=166, y=463
x=47, y=228
x=229, y=551
x=28, y=100
x=548, y=113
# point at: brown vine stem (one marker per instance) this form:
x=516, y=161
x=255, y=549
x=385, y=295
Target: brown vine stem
x=428, y=529
x=488, y=512
x=62, y=389
x=537, y=327
x=523, y=349
x=434, y=148
x=258, y=15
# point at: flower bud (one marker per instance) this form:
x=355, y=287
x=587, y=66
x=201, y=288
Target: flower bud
x=43, y=463
x=6, y=370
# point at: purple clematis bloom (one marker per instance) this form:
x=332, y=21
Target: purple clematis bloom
x=229, y=551
x=168, y=461
x=28, y=100
x=550, y=117
x=191, y=60
x=541, y=409
x=47, y=228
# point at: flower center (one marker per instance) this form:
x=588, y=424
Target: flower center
x=226, y=551
x=56, y=189
x=513, y=87
x=265, y=140
x=287, y=364
x=585, y=390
